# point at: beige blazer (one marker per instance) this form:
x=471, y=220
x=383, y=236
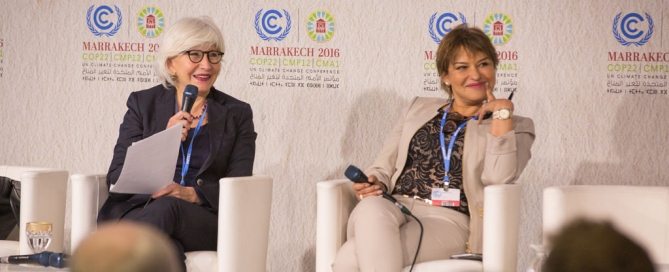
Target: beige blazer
x=486, y=160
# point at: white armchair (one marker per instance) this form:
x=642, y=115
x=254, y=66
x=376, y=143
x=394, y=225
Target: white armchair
x=243, y=227
x=43, y=195
x=641, y=212
x=500, y=233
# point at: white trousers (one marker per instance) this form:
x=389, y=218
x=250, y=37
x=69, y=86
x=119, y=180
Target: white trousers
x=381, y=238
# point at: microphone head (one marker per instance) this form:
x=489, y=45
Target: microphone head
x=355, y=174
x=190, y=93
x=59, y=260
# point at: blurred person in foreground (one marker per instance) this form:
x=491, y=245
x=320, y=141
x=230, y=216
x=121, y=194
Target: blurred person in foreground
x=125, y=247
x=436, y=162
x=595, y=247
x=218, y=139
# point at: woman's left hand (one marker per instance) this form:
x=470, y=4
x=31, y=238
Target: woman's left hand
x=493, y=104
x=178, y=191
x=498, y=127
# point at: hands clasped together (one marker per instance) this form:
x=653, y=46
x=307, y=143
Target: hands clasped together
x=176, y=190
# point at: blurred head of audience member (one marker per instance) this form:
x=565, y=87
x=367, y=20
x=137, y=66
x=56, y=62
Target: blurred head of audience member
x=595, y=246
x=126, y=247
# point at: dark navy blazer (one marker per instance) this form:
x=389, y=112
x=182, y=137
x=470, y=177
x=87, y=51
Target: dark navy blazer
x=232, y=143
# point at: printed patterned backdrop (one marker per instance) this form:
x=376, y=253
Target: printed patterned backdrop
x=327, y=80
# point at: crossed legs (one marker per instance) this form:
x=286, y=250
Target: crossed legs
x=381, y=238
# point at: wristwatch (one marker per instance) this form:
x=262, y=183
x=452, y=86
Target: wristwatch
x=501, y=114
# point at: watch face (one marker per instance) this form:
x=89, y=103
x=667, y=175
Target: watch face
x=504, y=114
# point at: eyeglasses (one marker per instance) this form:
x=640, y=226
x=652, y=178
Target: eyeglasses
x=196, y=56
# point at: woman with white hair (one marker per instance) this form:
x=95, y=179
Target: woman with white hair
x=218, y=139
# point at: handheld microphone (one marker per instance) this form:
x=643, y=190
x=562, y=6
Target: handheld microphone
x=189, y=96
x=46, y=258
x=357, y=176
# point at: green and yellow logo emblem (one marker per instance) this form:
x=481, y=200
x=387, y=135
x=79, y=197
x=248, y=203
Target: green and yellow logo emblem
x=498, y=27
x=150, y=22
x=320, y=26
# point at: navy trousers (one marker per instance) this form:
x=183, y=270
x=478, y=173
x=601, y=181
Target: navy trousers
x=190, y=226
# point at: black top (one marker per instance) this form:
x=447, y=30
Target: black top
x=199, y=154
x=424, y=168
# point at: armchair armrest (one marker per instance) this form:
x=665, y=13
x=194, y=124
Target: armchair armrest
x=88, y=193
x=644, y=220
x=243, y=223
x=335, y=201
x=43, y=195
x=500, y=230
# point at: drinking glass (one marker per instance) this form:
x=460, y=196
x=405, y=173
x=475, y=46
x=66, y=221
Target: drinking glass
x=39, y=235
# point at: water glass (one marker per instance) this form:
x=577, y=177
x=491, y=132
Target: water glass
x=39, y=235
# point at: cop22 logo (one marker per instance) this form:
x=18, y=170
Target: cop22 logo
x=443, y=24
x=100, y=24
x=267, y=27
x=631, y=27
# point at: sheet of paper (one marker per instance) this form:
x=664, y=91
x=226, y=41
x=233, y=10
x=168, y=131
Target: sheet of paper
x=150, y=163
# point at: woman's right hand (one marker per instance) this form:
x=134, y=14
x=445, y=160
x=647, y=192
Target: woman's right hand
x=175, y=190
x=183, y=118
x=373, y=188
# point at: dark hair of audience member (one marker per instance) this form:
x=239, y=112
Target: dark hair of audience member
x=595, y=246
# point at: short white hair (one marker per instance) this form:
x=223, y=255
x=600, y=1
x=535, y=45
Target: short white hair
x=186, y=33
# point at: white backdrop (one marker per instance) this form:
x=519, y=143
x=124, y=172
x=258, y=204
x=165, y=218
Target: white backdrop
x=326, y=80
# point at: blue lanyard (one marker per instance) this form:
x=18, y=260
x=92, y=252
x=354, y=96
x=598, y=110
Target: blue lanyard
x=185, y=158
x=447, y=153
